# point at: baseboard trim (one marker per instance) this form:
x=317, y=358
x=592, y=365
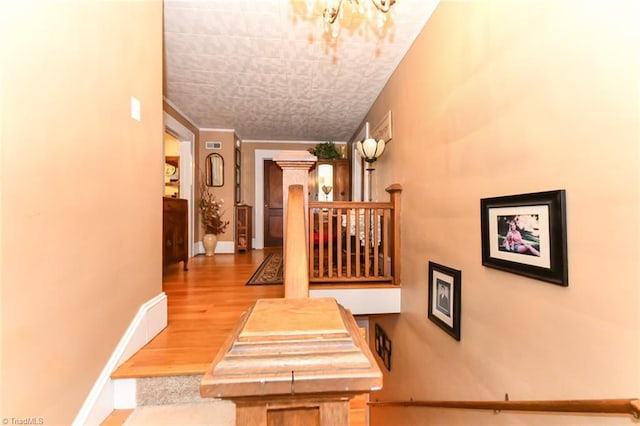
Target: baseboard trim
x=148, y=322
x=223, y=247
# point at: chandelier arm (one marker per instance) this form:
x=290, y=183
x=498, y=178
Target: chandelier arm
x=383, y=5
x=330, y=14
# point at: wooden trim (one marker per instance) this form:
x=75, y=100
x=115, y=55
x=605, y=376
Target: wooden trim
x=592, y=406
x=395, y=192
x=296, y=273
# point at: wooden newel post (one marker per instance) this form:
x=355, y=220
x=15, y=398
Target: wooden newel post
x=295, y=167
x=395, y=192
x=296, y=273
x=293, y=362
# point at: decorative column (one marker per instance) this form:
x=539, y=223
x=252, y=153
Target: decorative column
x=295, y=167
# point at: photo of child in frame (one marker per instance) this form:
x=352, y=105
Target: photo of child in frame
x=519, y=234
x=443, y=297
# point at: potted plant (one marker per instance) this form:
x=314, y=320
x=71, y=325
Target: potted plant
x=325, y=150
x=211, y=219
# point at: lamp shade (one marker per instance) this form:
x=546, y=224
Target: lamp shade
x=370, y=149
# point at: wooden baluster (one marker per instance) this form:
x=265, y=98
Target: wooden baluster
x=385, y=242
x=339, y=242
x=395, y=192
x=367, y=242
x=357, y=242
x=348, y=237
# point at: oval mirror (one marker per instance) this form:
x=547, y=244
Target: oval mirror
x=215, y=170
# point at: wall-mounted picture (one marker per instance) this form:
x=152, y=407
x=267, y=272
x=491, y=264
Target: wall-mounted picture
x=383, y=346
x=383, y=129
x=444, y=298
x=526, y=234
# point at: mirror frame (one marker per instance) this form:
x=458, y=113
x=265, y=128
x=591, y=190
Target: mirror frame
x=219, y=165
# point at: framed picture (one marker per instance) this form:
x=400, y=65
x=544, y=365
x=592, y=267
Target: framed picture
x=383, y=129
x=444, y=298
x=526, y=234
x=383, y=346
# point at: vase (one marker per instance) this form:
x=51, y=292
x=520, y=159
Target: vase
x=209, y=242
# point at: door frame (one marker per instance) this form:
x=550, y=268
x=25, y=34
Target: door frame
x=187, y=170
x=259, y=157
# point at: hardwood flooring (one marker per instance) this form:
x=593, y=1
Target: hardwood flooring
x=204, y=305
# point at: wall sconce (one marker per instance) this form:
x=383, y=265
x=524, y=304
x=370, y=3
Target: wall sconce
x=370, y=150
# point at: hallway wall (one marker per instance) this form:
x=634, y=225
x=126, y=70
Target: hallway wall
x=82, y=186
x=507, y=97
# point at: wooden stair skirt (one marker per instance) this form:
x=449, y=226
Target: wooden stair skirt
x=293, y=361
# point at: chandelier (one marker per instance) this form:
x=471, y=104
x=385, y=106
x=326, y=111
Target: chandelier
x=351, y=13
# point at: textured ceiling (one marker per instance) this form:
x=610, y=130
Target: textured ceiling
x=267, y=69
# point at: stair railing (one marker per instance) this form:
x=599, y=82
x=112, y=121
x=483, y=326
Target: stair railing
x=355, y=241
x=585, y=406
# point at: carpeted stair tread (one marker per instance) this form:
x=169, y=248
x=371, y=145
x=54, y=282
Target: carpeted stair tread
x=168, y=390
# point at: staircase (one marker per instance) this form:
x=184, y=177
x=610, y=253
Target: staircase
x=173, y=400
x=204, y=305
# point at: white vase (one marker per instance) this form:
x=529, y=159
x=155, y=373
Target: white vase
x=209, y=241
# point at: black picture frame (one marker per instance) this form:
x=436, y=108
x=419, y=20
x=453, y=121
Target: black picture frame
x=444, y=298
x=538, y=247
x=383, y=346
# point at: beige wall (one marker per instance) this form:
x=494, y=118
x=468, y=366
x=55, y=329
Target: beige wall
x=225, y=192
x=81, y=193
x=508, y=97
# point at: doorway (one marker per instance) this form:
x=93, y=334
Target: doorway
x=187, y=143
x=273, y=212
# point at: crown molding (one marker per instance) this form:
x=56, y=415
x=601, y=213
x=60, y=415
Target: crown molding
x=258, y=141
x=179, y=111
x=209, y=129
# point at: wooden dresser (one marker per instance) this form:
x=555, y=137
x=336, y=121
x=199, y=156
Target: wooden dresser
x=175, y=231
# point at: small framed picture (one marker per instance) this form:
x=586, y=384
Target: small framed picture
x=444, y=298
x=526, y=234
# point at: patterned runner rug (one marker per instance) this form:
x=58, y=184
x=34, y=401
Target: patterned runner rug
x=269, y=272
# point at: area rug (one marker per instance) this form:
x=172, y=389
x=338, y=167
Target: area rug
x=269, y=272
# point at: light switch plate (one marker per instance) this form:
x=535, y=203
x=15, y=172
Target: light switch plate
x=135, y=108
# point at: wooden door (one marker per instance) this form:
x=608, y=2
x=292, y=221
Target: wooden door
x=273, y=220
x=341, y=180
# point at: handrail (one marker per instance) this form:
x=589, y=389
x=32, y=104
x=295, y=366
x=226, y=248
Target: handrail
x=592, y=406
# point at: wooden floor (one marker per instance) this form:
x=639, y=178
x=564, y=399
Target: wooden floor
x=204, y=305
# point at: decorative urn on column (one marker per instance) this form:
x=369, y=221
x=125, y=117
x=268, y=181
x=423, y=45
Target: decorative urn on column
x=211, y=219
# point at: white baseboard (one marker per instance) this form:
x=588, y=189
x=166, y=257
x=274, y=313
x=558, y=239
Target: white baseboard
x=148, y=322
x=124, y=394
x=223, y=247
x=365, y=301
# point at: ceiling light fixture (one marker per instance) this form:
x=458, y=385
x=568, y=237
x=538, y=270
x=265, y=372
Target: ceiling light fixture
x=370, y=150
x=333, y=13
